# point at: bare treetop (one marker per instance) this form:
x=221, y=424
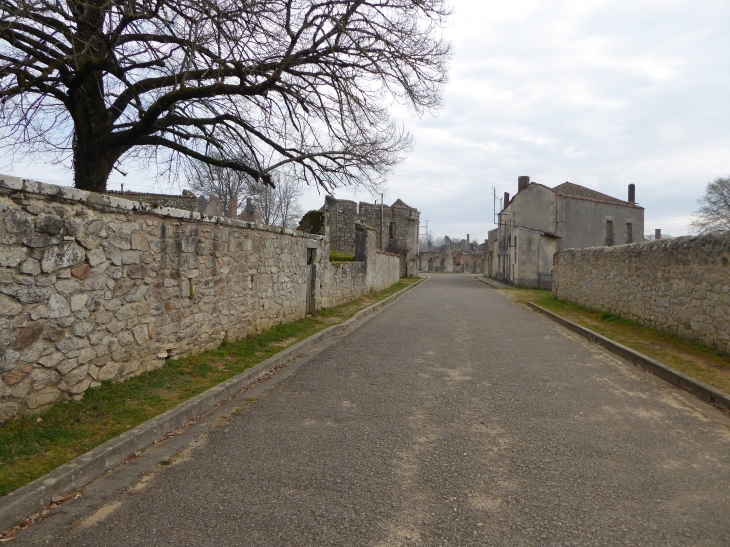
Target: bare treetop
x=277, y=82
x=714, y=212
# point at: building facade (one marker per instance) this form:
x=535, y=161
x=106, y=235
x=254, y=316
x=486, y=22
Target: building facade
x=539, y=221
x=396, y=228
x=453, y=257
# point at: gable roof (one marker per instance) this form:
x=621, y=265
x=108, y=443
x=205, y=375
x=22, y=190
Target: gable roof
x=399, y=203
x=576, y=191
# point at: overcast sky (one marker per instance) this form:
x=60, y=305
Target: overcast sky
x=599, y=93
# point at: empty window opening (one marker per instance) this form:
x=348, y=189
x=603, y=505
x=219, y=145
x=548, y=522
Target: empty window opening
x=391, y=230
x=609, y=233
x=629, y=232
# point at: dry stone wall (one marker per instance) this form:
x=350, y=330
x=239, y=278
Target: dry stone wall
x=678, y=285
x=94, y=287
x=342, y=282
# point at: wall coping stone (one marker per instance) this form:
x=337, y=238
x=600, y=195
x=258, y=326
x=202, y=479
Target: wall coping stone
x=16, y=184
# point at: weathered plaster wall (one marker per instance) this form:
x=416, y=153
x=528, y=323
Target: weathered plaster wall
x=533, y=207
x=585, y=223
x=535, y=256
x=679, y=285
x=94, y=287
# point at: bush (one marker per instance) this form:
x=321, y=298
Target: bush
x=337, y=256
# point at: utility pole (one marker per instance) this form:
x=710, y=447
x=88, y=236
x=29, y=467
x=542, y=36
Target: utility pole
x=494, y=197
x=382, y=235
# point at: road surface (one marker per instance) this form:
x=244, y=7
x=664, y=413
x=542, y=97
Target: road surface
x=454, y=417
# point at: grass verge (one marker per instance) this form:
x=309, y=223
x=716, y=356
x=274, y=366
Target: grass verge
x=31, y=446
x=697, y=360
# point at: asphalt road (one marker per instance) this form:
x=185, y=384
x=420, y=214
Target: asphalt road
x=454, y=417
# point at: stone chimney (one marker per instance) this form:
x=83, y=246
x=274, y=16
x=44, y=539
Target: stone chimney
x=250, y=213
x=632, y=193
x=522, y=183
x=658, y=233
x=233, y=208
x=506, y=200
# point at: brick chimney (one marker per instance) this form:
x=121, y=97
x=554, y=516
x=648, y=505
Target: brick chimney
x=632, y=193
x=522, y=183
x=233, y=208
x=658, y=233
x=506, y=200
x=467, y=239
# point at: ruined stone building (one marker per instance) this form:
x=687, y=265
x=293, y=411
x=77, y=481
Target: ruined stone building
x=187, y=201
x=463, y=256
x=396, y=228
x=539, y=221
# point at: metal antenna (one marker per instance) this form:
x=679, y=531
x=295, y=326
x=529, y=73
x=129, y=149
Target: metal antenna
x=494, y=196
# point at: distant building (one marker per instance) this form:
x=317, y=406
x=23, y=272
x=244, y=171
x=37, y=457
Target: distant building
x=250, y=213
x=396, y=228
x=187, y=201
x=539, y=221
x=463, y=256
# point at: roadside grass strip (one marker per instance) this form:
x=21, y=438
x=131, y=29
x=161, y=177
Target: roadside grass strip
x=33, y=445
x=701, y=362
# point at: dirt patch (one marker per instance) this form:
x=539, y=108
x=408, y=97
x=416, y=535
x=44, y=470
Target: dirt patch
x=285, y=343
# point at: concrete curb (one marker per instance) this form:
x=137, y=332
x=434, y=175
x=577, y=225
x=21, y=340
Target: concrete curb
x=492, y=283
x=33, y=497
x=707, y=393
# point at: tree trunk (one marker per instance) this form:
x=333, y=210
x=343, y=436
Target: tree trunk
x=92, y=167
x=93, y=157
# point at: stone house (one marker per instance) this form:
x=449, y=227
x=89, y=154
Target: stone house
x=396, y=228
x=539, y=221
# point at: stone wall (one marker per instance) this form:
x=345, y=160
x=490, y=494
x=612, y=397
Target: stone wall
x=384, y=272
x=678, y=285
x=94, y=287
x=342, y=224
x=342, y=282
x=346, y=215
x=372, y=270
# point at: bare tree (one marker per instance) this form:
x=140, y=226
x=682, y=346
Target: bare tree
x=213, y=180
x=303, y=83
x=288, y=191
x=714, y=212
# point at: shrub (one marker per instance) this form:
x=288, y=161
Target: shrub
x=337, y=256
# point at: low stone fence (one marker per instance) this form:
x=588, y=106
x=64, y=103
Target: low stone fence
x=373, y=270
x=678, y=285
x=94, y=287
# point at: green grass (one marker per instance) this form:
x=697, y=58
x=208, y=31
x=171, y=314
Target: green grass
x=707, y=364
x=33, y=445
x=337, y=256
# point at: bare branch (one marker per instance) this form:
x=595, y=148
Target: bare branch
x=255, y=85
x=714, y=213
